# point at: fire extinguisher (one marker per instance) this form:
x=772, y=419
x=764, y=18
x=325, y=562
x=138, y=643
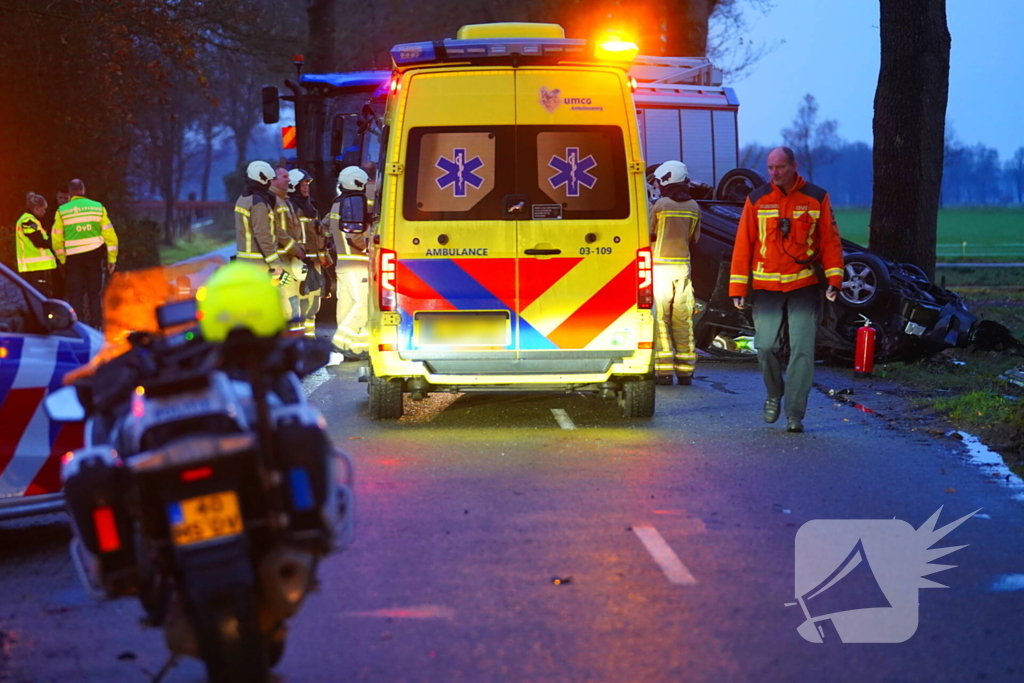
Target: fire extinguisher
x=864, y=361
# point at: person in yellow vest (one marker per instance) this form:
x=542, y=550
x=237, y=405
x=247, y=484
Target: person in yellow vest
x=84, y=240
x=675, y=223
x=36, y=262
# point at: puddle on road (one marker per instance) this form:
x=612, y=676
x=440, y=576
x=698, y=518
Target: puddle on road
x=984, y=457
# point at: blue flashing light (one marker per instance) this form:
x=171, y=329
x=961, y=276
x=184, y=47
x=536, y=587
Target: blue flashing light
x=461, y=50
x=354, y=79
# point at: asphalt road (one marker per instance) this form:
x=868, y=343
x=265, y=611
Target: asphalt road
x=501, y=540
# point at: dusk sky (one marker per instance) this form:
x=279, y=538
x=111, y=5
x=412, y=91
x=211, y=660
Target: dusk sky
x=831, y=51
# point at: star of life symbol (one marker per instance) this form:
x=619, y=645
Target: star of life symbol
x=857, y=580
x=460, y=172
x=572, y=171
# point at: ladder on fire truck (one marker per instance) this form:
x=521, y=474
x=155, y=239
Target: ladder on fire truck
x=656, y=73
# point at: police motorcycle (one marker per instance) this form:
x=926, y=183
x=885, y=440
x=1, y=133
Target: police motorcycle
x=208, y=487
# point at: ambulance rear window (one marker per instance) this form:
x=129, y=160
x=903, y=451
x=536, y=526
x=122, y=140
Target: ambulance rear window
x=459, y=173
x=465, y=173
x=583, y=168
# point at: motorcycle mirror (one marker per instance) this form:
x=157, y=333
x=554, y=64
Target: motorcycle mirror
x=63, y=406
x=176, y=313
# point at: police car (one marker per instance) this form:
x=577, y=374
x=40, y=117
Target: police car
x=40, y=341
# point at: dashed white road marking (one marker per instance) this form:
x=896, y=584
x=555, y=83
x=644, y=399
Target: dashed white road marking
x=675, y=571
x=563, y=419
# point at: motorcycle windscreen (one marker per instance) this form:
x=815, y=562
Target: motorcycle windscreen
x=578, y=242
x=455, y=273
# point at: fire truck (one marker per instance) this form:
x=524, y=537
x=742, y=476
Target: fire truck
x=683, y=112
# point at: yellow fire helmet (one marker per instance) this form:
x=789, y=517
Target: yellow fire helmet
x=239, y=296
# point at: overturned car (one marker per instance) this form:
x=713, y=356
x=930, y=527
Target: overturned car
x=912, y=316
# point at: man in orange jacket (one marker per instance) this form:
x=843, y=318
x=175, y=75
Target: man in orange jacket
x=787, y=236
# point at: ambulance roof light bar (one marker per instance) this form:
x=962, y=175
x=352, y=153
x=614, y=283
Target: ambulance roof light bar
x=502, y=41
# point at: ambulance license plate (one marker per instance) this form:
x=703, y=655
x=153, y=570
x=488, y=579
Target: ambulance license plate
x=476, y=328
x=204, y=518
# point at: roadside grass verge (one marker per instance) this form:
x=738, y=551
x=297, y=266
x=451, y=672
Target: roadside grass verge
x=991, y=235
x=195, y=245
x=964, y=385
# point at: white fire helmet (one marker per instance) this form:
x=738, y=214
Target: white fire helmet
x=296, y=176
x=353, y=178
x=261, y=172
x=672, y=172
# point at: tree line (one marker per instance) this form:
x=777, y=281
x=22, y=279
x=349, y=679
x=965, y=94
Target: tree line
x=972, y=175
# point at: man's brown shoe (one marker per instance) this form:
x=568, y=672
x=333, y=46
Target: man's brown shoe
x=771, y=410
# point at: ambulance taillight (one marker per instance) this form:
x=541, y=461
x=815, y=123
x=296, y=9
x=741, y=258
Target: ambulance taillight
x=644, y=279
x=386, y=265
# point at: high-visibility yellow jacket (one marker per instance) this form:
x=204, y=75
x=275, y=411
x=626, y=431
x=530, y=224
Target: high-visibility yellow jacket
x=349, y=245
x=674, y=225
x=32, y=245
x=780, y=260
x=81, y=226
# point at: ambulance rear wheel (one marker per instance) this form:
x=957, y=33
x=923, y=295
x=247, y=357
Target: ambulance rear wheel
x=636, y=400
x=385, y=398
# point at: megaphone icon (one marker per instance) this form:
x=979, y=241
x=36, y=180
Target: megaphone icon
x=851, y=586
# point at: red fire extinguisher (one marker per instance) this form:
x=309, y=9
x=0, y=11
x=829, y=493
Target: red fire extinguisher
x=864, y=361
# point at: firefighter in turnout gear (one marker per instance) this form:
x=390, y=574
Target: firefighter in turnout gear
x=259, y=239
x=82, y=235
x=675, y=223
x=36, y=262
x=289, y=247
x=352, y=268
x=314, y=243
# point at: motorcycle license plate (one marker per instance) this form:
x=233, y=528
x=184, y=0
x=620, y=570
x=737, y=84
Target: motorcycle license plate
x=205, y=518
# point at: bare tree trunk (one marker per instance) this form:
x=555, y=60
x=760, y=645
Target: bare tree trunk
x=241, y=144
x=686, y=30
x=909, y=128
x=323, y=56
x=208, y=131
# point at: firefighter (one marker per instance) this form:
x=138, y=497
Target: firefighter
x=36, y=262
x=288, y=231
x=313, y=243
x=352, y=266
x=82, y=235
x=257, y=237
x=675, y=223
x=788, y=244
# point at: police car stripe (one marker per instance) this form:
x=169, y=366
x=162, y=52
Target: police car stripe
x=24, y=453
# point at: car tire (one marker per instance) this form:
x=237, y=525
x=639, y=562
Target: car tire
x=865, y=282
x=636, y=400
x=737, y=184
x=385, y=398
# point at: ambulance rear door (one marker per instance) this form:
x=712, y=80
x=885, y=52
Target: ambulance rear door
x=455, y=248
x=578, y=233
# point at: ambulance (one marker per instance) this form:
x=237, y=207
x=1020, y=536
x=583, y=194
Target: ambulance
x=509, y=242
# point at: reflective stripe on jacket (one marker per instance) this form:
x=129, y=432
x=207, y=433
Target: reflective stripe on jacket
x=779, y=262
x=31, y=246
x=81, y=226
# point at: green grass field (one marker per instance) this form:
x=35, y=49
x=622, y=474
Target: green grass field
x=990, y=234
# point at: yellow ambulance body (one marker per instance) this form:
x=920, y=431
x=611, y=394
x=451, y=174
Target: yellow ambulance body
x=510, y=249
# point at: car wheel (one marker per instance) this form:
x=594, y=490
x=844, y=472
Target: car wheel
x=385, y=398
x=865, y=282
x=636, y=400
x=737, y=184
